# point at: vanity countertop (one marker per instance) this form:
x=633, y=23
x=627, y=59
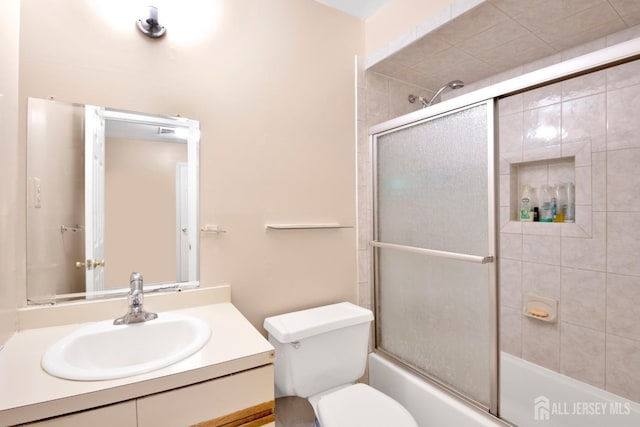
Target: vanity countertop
x=28, y=393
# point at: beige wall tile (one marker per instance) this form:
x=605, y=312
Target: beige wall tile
x=623, y=128
x=580, y=151
x=541, y=249
x=511, y=246
x=587, y=253
x=483, y=18
x=510, y=133
x=585, y=48
x=624, y=35
x=583, y=298
x=511, y=330
x=623, y=243
x=364, y=266
x=535, y=175
x=541, y=343
x=553, y=229
x=599, y=182
x=541, y=279
x=506, y=190
x=543, y=96
x=582, y=185
x=511, y=283
x=582, y=354
x=550, y=152
x=623, y=180
x=541, y=127
x=623, y=306
x=510, y=105
x=565, y=172
x=624, y=75
x=585, y=119
x=589, y=84
x=623, y=367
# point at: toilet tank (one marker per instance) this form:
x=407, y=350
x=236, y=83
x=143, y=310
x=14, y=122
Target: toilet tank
x=320, y=348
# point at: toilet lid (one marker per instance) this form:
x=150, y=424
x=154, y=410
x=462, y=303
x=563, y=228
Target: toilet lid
x=361, y=405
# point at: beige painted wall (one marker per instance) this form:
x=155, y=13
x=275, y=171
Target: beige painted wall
x=56, y=159
x=397, y=17
x=273, y=87
x=140, y=210
x=10, y=238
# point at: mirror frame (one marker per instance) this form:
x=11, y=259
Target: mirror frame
x=192, y=135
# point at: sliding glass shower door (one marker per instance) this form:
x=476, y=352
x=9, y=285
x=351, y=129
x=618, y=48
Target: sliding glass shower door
x=433, y=249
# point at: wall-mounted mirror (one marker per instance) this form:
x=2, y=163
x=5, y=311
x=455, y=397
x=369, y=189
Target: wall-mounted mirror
x=109, y=192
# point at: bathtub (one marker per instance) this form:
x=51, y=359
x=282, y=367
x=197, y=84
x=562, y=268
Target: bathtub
x=535, y=396
x=430, y=406
x=531, y=396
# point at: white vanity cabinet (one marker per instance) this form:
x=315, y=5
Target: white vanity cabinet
x=120, y=414
x=242, y=399
x=238, y=400
x=229, y=382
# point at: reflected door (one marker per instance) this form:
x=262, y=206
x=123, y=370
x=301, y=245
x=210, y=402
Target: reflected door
x=94, y=197
x=434, y=246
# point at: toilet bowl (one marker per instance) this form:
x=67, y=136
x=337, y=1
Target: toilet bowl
x=362, y=405
x=320, y=354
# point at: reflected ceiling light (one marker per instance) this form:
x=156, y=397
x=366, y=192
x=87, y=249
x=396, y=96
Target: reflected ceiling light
x=150, y=26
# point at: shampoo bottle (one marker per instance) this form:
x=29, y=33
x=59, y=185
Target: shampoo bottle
x=546, y=207
x=526, y=207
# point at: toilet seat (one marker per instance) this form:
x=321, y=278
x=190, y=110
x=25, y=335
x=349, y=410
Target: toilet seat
x=362, y=405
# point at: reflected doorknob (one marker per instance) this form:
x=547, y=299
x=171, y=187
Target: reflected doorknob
x=90, y=264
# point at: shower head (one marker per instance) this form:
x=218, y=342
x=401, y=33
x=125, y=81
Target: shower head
x=453, y=84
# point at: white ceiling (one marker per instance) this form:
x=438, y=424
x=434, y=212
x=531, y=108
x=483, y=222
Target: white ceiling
x=359, y=8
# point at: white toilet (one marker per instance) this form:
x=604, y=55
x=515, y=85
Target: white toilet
x=320, y=353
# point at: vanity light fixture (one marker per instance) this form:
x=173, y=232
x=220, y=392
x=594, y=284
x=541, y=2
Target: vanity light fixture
x=150, y=26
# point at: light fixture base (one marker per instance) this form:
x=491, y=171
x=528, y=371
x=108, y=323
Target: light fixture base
x=150, y=26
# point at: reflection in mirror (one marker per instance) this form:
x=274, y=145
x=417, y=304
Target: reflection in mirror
x=109, y=192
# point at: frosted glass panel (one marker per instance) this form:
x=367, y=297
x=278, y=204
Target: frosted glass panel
x=433, y=193
x=432, y=184
x=433, y=314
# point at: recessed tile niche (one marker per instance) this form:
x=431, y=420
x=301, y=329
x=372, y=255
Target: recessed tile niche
x=572, y=165
x=536, y=175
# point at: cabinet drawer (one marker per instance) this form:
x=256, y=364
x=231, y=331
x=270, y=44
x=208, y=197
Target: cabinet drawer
x=209, y=401
x=121, y=415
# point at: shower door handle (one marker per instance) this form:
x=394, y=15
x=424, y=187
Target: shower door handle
x=432, y=252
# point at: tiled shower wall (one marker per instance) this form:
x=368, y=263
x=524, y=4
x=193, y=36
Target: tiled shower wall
x=379, y=98
x=591, y=267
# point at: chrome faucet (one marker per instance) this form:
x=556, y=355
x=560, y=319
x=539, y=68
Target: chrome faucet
x=136, y=313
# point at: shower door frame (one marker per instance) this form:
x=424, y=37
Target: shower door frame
x=601, y=59
x=489, y=259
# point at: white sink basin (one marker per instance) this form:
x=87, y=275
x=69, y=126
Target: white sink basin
x=104, y=351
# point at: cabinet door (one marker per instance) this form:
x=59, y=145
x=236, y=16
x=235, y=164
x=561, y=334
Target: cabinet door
x=121, y=415
x=247, y=395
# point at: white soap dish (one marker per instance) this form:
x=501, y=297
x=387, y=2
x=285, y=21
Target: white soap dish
x=540, y=308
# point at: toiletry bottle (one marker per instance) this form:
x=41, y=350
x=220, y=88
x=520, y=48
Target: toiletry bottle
x=546, y=207
x=536, y=214
x=558, y=204
x=570, y=194
x=526, y=208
